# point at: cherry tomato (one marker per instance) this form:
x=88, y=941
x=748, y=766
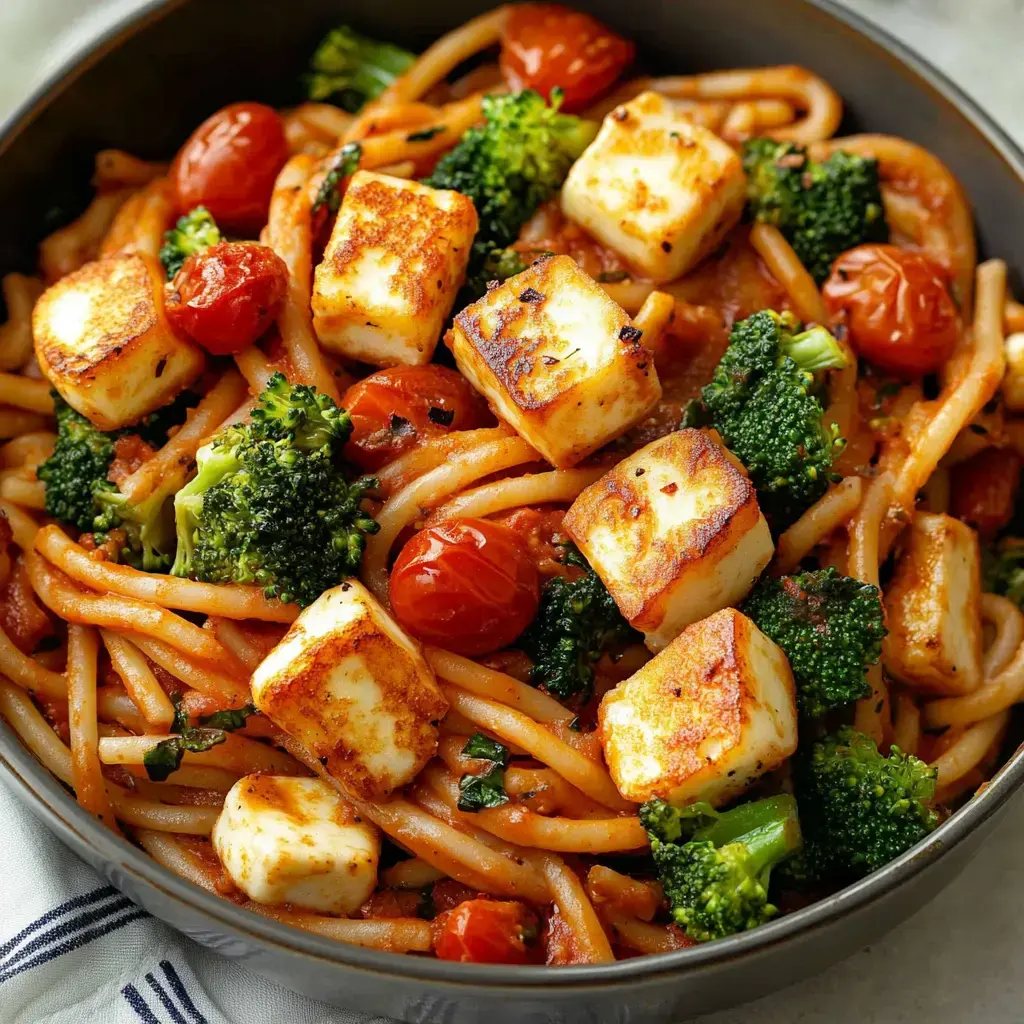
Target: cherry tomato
x=226, y=296
x=229, y=164
x=395, y=410
x=542, y=533
x=468, y=585
x=547, y=46
x=484, y=931
x=983, y=490
x=896, y=306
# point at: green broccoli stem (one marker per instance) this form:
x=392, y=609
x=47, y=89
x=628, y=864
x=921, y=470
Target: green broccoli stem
x=769, y=822
x=214, y=465
x=814, y=350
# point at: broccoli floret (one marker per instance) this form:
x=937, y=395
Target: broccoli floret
x=270, y=503
x=831, y=628
x=349, y=69
x=501, y=264
x=1003, y=569
x=193, y=233
x=77, y=469
x=823, y=209
x=576, y=622
x=859, y=809
x=510, y=165
x=79, y=492
x=715, y=866
x=763, y=402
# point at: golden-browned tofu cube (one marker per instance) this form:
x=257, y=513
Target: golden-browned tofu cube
x=658, y=189
x=675, y=533
x=102, y=339
x=349, y=684
x=391, y=270
x=558, y=360
x=706, y=717
x=933, y=608
x=284, y=840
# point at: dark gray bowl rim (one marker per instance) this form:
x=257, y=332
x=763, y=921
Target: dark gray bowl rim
x=37, y=787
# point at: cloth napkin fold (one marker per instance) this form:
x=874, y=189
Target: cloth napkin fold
x=73, y=950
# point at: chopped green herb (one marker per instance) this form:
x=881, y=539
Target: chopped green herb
x=477, y=792
x=233, y=718
x=426, y=134
x=345, y=165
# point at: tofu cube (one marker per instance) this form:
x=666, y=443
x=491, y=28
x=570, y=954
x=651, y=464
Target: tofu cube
x=658, y=189
x=703, y=719
x=675, y=533
x=349, y=684
x=933, y=608
x=295, y=841
x=558, y=360
x=394, y=263
x=102, y=339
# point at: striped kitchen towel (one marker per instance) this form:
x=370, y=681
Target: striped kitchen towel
x=75, y=951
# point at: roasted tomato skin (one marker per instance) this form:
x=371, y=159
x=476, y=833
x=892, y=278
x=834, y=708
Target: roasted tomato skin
x=468, y=585
x=896, y=307
x=229, y=164
x=548, y=46
x=396, y=409
x=486, y=931
x=983, y=490
x=226, y=296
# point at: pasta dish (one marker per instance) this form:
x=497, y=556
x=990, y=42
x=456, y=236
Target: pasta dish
x=511, y=508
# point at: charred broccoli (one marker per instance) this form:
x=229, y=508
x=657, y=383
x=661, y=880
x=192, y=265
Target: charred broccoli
x=576, y=622
x=831, y=629
x=715, y=866
x=859, y=809
x=349, y=69
x=763, y=402
x=271, y=504
x=509, y=166
x=823, y=208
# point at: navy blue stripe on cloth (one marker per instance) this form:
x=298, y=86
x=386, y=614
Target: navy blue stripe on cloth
x=179, y=990
x=66, y=929
x=164, y=998
x=51, y=915
x=75, y=942
x=138, y=1004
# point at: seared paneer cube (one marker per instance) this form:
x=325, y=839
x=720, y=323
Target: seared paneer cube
x=348, y=684
x=675, y=533
x=103, y=340
x=558, y=360
x=710, y=714
x=933, y=606
x=658, y=189
x=295, y=841
x=394, y=263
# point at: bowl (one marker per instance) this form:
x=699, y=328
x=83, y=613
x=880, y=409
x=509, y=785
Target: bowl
x=143, y=87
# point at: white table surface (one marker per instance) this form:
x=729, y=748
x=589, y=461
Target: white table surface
x=959, y=959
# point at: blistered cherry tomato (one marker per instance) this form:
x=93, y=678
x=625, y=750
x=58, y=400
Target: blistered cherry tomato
x=896, y=306
x=226, y=296
x=394, y=410
x=547, y=46
x=468, y=585
x=229, y=164
x=983, y=490
x=484, y=931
